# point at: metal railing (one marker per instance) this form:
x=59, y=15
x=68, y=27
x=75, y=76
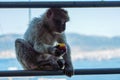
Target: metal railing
x=17, y=73
x=67, y=4
x=72, y=4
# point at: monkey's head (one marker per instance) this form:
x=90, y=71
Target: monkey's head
x=56, y=19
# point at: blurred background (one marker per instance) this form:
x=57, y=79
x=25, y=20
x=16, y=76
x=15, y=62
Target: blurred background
x=93, y=34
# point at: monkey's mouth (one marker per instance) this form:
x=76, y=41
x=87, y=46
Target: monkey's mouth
x=60, y=31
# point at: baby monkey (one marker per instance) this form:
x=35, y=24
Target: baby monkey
x=37, y=51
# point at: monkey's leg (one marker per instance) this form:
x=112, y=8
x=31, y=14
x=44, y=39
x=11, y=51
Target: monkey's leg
x=25, y=54
x=61, y=63
x=50, y=64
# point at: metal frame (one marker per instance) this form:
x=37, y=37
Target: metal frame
x=99, y=71
x=67, y=4
x=70, y=4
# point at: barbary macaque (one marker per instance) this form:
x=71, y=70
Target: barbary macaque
x=38, y=51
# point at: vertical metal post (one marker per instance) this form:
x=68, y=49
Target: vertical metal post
x=29, y=12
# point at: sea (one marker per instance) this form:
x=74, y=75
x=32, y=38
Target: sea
x=13, y=64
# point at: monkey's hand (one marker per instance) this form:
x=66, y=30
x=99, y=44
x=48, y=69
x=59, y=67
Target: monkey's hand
x=69, y=71
x=52, y=50
x=55, y=51
x=61, y=49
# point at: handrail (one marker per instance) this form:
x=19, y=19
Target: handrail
x=67, y=4
x=98, y=71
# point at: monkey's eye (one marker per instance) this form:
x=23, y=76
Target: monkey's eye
x=58, y=22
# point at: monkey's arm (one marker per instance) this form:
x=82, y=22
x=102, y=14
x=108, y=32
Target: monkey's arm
x=41, y=47
x=68, y=70
x=67, y=56
x=68, y=63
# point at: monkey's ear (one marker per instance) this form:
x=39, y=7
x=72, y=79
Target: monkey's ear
x=49, y=13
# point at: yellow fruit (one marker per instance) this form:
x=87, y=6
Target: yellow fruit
x=61, y=45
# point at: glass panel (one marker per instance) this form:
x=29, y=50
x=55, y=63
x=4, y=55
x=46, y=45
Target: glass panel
x=93, y=34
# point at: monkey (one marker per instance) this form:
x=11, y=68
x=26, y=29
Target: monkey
x=37, y=50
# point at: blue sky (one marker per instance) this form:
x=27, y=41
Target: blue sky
x=89, y=21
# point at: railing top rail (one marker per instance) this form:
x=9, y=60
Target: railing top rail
x=65, y=4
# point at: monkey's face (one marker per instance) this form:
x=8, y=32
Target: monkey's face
x=57, y=19
x=59, y=25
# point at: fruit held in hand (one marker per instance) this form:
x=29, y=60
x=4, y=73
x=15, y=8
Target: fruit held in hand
x=62, y=47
